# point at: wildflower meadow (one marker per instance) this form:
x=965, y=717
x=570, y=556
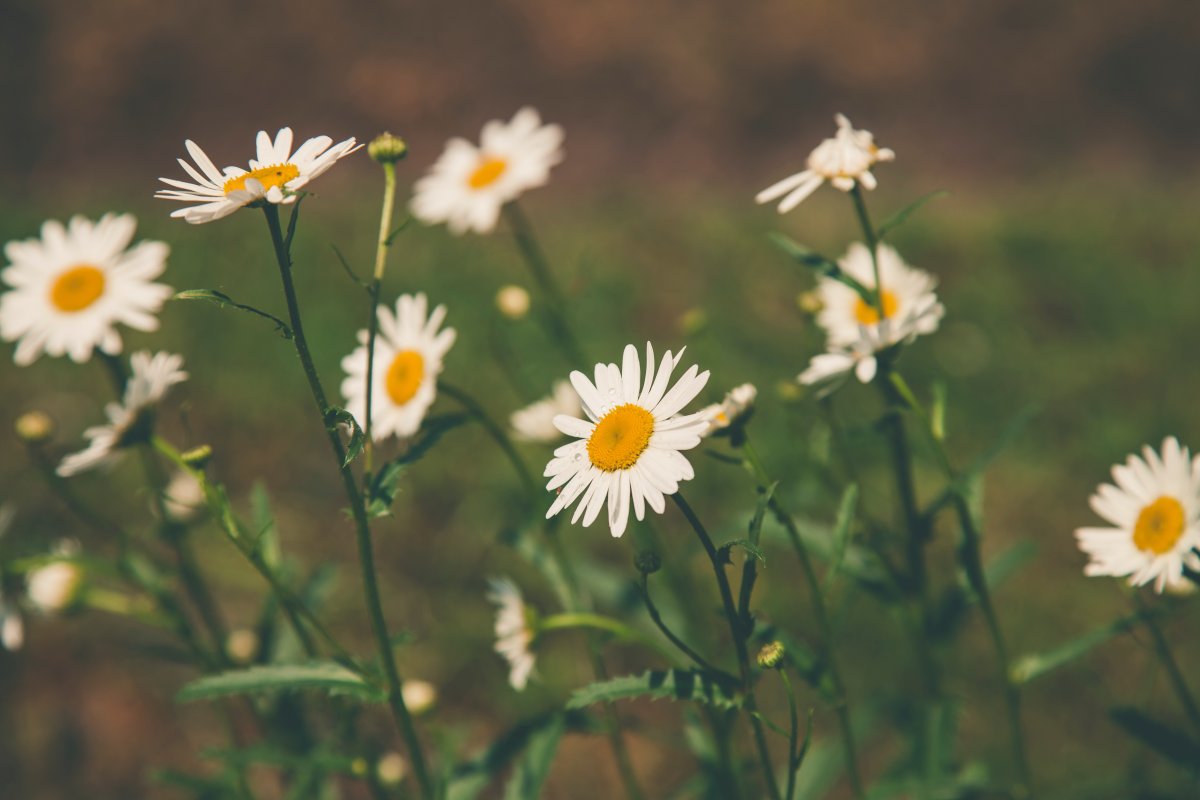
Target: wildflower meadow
x=354, y=472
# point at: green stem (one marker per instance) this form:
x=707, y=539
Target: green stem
x=793, y=736
x=498, y=436
x=366, y=553
x=864, y=220
x=671, y=636
x=552, y=296
x=739, y=641
x=579, y=619
x=381, y=249
x=1174, y=674
x=840, y=702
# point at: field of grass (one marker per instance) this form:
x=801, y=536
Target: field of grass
x=1074, y=303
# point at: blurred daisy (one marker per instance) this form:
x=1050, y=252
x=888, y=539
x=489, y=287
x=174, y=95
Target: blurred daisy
x=73, y=285
x=629, y=447
x=468, y=185
x=54, y=587
x=907, y=295
x=514, y=631
x=276, y=175
x=1153, y=502
x=408, y=358
x=723, y=414
x=535, y=423
x=844, y=161
x=419, y=696
x=183, y=498
x=150, y=378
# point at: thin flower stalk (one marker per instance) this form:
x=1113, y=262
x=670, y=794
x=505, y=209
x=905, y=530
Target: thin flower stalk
x=381, y=251
x=366, y=550
x=1163, y=651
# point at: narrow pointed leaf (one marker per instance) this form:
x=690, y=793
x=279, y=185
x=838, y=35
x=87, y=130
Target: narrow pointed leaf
x=1164, y=739
x=224, y=300
x=901, y=216
x=324, y=675
x=531, y=771
x=674, y=684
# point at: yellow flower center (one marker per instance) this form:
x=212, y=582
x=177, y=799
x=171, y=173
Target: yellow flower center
x=621, y=437
x=488, y=172
x=404, y=376
x=1159, y=526
x=867, y=314
x=77, y=288
x=269, y=177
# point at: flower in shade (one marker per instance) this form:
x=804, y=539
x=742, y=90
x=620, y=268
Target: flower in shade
x=468, y=185
x=845, y=161
x=723, y=414
x=276, y=175
x=628, y=450
x=535, y=422
x=129, y=420
x=1154, y=505
x=408, y=358
x=514, y=630
x=73, y=285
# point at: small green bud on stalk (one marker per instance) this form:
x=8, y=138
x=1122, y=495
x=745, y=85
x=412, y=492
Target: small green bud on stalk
x=771, y=655
x=810, y=302
x=197, y=457
x=34, y=427
x=387, y=149
x=647, y=562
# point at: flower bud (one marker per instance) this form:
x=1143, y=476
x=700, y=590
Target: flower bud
x=387, y=149
x=34, y=427
x=419, y=696
x=771, y=655
x=647, y=562
x=242, y=645
x=359, y=767
x=513, y=301
x=390, y=769
x=693, y=321
x=810, y=302
x=55, y=587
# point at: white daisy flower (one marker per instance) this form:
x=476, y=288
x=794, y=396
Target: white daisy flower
x=183, y=498
x=1154, y=502
x=54, y=587
x=73, y=285
x=535, y=423
x=629, y=447
x=408, y=358
x=844, y=161
x=514, y=632
x=275, y=176
x=468, y=185
x=907, y=295
x=723, y=414
x=150, y=378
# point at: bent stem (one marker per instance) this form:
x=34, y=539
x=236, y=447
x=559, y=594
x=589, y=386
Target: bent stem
x=366, y=550
x=381, y=249
x=841, y=703
x=739, y=641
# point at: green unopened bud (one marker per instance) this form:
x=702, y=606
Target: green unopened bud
x=197, y=457
x=359, y=767
x=387, y=149
x=771, y=655
x=647, y=562
x=693, y=321
x=810, y=302
x=34, y=427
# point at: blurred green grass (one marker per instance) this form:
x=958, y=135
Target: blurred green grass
x=1075, y=299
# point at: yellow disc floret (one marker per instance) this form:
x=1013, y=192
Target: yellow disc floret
x=270, y=177
x=620, y=437
x=404, y=376
x=488, y=172
x=868, y=314
x=77, y=288
x=1159, y=526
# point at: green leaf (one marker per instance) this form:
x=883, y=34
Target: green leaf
x=937, y=412
x=325, y=675
x=399, y=230
x=531, y=771
x=901, y=216
x=382, y=491
x=224, y=300
x=264, y=522
x=1036, y=665
x=819, y=264
x=673, y=684
x=339, y=416
x=469, y=779
x=1164, y=739
x=1007, y=562
x=752, y=550
x=349, y=271
x=841, y=530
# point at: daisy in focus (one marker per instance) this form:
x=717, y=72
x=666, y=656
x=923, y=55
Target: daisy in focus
x=408, y=358
x=736, y=404
x=1154, y=504
x=468, y=185
x=628, y=449
x=535, y=422
x=276, y=175
x=514, y=631
x=73, y=285
x=844, y=160
x=130, y=420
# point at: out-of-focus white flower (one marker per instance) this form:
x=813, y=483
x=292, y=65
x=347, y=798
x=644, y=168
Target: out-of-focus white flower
x=242, y=645
x=535, y=422
x=12, y=627
x=74, y=284
x=1154, y=504
x=723, y=414
x=275, y=176
x=514, y=634
x=150, y=378
x=468, y=185
x=419, y=696
x=629, y=449
x=513, y=301
x=183, y=499
x=844, y=161
x=408, y=358
x=391, y=769
x=54, y=587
